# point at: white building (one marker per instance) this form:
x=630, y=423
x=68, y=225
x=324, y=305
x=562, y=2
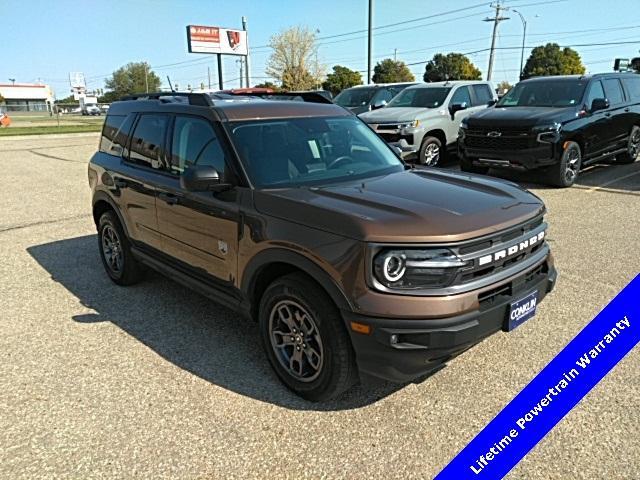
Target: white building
x=26, y=97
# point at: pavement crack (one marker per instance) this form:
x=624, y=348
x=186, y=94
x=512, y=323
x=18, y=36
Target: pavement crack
x=43, y=222
x=46, y=155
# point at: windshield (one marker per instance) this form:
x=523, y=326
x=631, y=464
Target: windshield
x=424, y=97
x=311, y=151
x=547, y=93
x=354, y=97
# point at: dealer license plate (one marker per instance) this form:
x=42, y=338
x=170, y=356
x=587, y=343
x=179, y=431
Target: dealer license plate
x=522, y=310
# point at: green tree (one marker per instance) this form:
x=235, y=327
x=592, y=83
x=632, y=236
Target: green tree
x=267, y=84
x=293, y=61
x=504, y=87
x=453, y=66
x=550, y=59
x=391, y=71
x=135, y=77
x=68, y=100
x=2, y=100
x=341, y=78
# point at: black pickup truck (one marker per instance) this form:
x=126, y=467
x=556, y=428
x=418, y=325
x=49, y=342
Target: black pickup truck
x=560, y=124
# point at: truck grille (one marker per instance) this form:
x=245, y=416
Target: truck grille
x=508, y=139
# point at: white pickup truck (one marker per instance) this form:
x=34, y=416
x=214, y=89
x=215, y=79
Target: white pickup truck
x=423, y=120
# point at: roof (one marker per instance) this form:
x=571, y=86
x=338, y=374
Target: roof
x=379, y=85
x=579, y=77
x=448, y=83
x=254, y=109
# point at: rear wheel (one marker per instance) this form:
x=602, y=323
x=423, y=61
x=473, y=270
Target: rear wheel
x=305, y=340
x=115, y=251
x=466, y=165
x=564, y=173
x=633, y=147
x=431, y=152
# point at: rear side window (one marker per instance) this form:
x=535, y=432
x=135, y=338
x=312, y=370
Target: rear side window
x=613, y=91
x=195, y=142
x=483, y=94
x=632, y=85
x=461, y=95
x=111, y=126
x=147, y=140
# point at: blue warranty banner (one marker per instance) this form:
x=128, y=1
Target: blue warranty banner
x=553, y=392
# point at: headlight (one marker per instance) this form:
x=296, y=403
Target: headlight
x=415, y=269
x=548, y=133
x=415, y=123
x=463, y=124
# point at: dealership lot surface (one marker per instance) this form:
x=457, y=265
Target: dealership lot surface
x=154, y=381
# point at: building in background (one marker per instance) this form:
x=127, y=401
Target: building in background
x=26, y=97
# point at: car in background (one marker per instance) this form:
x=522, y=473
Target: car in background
x=557, y=124
x=91, y=109
x=363, y=98
x=423, y=120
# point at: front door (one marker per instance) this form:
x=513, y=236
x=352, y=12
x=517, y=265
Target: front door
x=199, y=229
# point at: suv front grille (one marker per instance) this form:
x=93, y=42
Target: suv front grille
x=499, y=139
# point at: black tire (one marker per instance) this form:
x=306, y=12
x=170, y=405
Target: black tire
x=467, y=166
x=119, y=262
x=425, y=155
x=325, y=334
x=564, y=173
x=633, y=147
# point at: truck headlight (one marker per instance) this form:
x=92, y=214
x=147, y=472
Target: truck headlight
x=413, y=124
x=548, y=133
x=415, y=269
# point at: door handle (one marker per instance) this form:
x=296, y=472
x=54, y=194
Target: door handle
x=120, y=183
x=168, y=198
x=626, y=109
x=607, y=114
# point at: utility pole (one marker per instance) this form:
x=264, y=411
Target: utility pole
x=395, y=54
x=239, y=62
x=246, y=58
x=146, y=77
x=220, y=83
x=496, y=20
x=209, y=77
x=369, y=42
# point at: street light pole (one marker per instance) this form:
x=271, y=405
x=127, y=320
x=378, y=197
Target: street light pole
x=524, y=37
x=369, y=42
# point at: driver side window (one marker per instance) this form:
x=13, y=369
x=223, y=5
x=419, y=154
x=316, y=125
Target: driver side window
x=595, y=91
x=461, y=95
x=194, y=142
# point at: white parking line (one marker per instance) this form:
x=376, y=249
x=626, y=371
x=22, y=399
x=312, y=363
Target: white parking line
x=612, y=181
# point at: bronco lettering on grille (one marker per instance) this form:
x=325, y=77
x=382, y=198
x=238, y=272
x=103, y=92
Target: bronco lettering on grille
x=510, y=251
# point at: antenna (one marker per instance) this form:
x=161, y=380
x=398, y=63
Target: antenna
x=170, y=86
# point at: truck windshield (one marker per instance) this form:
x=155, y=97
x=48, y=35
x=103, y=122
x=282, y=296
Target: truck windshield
x=544, y=93
x=354, y=97
x=292, y=152
x=424, y=97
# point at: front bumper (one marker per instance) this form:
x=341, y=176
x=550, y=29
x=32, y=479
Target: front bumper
x=537, y=155
x=402, y=350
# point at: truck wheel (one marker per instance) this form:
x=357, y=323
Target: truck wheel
x=466, y=165
x=564, y=173
x=305, y=340
x=115, y=252
x=431, y=152
x=633, y=147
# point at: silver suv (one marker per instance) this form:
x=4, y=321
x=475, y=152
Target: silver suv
x=423, y=120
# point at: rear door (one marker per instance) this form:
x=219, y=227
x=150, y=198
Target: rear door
x=199, y=229
x=616, y=112
x=597, y=132
x=141, y=167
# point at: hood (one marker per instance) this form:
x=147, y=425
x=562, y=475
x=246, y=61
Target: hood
x=524, y=117
x=411, y=206
x=396, y=114
x=359, y=109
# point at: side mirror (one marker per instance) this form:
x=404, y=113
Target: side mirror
x=492, y=102
x=397, y=150
x=378, y=104
x=200, y=179
x=456, y=107
x=599, y=104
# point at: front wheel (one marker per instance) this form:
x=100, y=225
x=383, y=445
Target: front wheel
x=305, y=340
x=633, y=147
x=564, y=173
x=431, y=152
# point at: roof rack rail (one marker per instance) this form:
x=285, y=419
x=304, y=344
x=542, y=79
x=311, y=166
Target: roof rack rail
x=198, y=99
x=310, y=96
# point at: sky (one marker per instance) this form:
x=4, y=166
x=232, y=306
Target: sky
x=44, y=40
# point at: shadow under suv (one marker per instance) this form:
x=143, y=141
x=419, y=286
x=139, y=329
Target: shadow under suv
x=299, y=216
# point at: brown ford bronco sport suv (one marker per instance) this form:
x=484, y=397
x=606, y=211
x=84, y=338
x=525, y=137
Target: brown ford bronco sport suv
x=299, y=216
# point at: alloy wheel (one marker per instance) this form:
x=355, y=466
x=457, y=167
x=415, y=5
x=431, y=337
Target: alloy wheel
x=295, y=340
x=431, y=154
x=112, y=249
x=634, y=144
x=573, y=165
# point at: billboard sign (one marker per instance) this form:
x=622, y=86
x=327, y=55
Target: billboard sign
x=202, y=39
x=76, y=80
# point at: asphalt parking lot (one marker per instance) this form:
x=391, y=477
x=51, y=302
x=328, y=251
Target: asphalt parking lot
x=154, y=381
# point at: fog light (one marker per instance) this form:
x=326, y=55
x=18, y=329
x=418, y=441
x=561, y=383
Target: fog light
x=393, y=339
